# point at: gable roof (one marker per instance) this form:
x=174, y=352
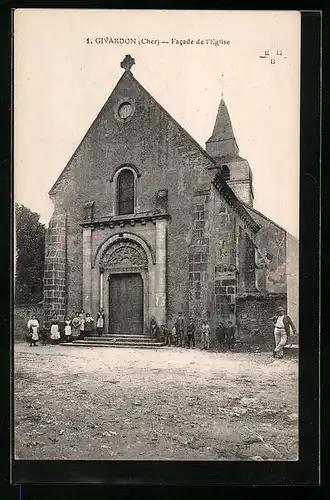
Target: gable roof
x=253, y=211
x=219, y=181
x=129, y=75
x=56, y=183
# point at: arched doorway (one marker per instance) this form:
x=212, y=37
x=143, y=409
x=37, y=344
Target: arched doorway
x=124, y=266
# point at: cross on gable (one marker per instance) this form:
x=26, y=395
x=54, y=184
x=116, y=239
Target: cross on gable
x=127, y=62
x=222, y=84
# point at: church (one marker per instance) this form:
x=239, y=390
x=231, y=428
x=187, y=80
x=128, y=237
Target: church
x=147, y=223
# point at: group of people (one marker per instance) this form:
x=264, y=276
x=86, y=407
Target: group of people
x=78, y=326
x=182, y=335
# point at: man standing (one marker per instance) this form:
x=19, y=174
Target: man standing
x=191, y=333
x=282, y=323
x=230, y=335
x=180, y=329
x=221, y=334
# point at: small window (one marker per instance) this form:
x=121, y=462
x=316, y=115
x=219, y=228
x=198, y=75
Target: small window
x=125, y=110
x=125, y=190
x=225, y=172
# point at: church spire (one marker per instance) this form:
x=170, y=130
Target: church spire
x=222, y=141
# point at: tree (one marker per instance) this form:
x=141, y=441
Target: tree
x=30, y=255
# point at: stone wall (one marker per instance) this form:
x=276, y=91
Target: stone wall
x=271, y=241
x=223, y=285
x=247, y=265
x=199, y=301
x=292, y=276
x=253, y=311
x=214, y=260
x=55, y=268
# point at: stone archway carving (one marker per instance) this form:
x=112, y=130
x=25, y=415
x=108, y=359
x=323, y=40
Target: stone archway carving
x=124, y=253
x=110, y=242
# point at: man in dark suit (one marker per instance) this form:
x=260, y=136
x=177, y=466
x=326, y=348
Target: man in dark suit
x=220, y=332
x=191, y=333
x=230, y=338
x=282, y=324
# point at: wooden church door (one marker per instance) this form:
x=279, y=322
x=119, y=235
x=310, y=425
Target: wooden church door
x=126, y=304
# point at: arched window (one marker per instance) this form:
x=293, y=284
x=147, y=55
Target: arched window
x=125, y=192
x=225, y=172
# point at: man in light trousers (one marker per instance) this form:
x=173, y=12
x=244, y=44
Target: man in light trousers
x=282, y=324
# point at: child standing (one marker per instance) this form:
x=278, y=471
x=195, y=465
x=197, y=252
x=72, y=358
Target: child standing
x=44, y=332
x=100, y=322
x=75, y=326
x=205, y=335
x=174, y=336
x=55, y=331
x=180, y=330
x=153, y=328
x=33, y=327
x=67, y=329
x=88, y=324
x=82, y=318
x=165, y=335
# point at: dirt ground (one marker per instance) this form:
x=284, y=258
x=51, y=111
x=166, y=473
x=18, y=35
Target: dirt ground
x=90, y=403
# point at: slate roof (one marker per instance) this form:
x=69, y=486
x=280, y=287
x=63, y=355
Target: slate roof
x=223, y=131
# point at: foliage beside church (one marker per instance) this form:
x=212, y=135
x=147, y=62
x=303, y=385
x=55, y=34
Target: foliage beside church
x=30, y=255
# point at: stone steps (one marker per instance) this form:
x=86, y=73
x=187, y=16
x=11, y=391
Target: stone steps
x=117, y=340
x=121, y=337
x=100, y=343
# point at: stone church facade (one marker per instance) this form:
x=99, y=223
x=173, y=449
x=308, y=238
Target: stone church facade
x=147, y=223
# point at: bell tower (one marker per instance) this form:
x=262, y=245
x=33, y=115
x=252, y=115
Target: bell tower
x=222, y=146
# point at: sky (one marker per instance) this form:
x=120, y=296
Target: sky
x=63, y=75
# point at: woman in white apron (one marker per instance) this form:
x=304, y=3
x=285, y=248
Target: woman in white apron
x=33, y=327
x=55, y=332
x=67, y=329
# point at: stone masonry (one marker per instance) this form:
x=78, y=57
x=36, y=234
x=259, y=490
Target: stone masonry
x=198, y=235
x=55, y=268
